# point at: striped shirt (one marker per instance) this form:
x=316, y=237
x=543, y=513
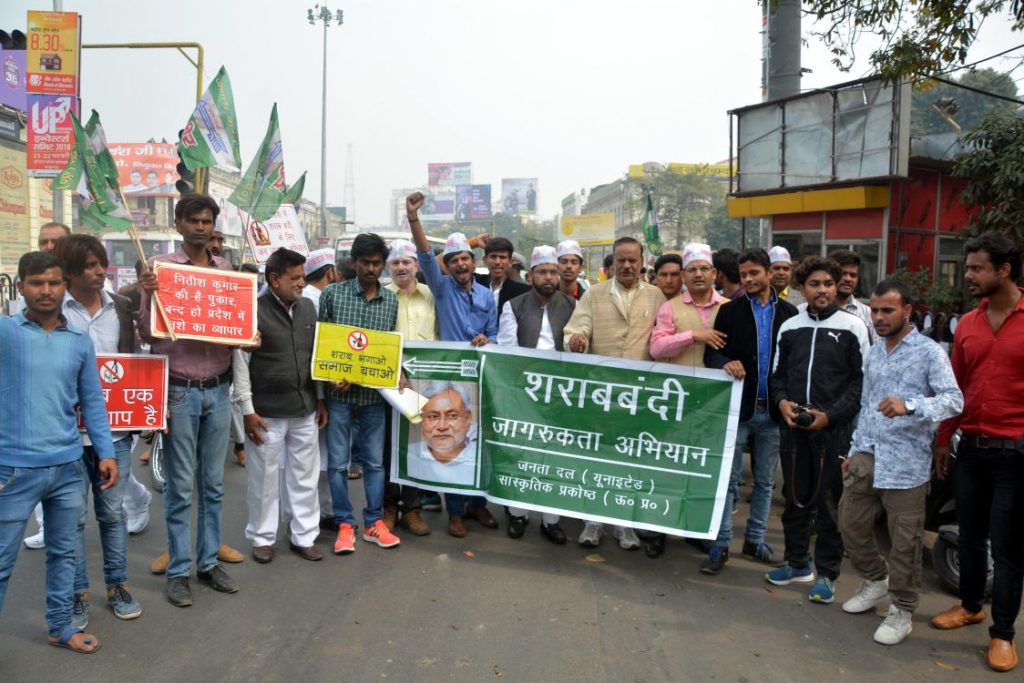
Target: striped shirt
x=345, y=303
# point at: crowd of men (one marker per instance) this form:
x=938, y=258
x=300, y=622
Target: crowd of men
x=857, y=406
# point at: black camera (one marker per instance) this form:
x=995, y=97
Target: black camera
x=803, y=418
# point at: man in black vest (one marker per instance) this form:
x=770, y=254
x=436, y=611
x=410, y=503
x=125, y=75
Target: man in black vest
x=535, y=320
x=283, y=408
x=498, y=258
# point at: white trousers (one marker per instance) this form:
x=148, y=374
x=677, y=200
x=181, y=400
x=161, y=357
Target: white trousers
x=282, y=476
x=545, y=517
x=324, y=484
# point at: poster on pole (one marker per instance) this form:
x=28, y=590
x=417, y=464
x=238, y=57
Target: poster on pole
x=51, y=135
x=207, y=304
x=354, y=354
x=146, y=168
x=644, y=444
x=280, y=230
x=53, y=42
x=135, y=390
x=588, y=229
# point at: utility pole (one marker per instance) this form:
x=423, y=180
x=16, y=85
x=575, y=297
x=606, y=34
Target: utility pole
x=322, y=13
x=780, y=49
x=349, y=196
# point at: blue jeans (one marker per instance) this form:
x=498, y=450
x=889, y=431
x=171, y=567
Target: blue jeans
x=109, y=517
x=766, y=460
x=194, y=451
x=349, y=424
x=61, y=489
x=456, y=503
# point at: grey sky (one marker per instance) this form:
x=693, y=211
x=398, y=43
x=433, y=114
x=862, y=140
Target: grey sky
x=569, y=91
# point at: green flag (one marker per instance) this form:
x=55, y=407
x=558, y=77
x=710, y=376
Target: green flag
x=650, y=227
x=263, y=188
x=85, y=174
x=210, y=137
x=98, y=144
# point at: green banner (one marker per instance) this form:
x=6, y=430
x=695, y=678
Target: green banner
x=644, y=444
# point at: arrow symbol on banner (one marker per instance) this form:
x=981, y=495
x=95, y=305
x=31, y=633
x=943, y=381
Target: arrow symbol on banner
x=414, y=365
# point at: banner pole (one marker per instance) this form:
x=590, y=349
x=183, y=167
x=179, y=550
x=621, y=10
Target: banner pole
x=145, y=268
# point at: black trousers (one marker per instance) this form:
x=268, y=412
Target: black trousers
x=410, y=497
x=989, y=487
x=812, y=485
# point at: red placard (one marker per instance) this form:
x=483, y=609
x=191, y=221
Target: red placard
x=207, y=304
x=51, y=135
x=135, y=389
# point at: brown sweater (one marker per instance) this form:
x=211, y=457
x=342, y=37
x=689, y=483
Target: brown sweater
x=601, y=316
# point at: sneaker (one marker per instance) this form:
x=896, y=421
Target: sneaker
x=413, y=521
x=759, y=551
x=591, y=535
x=787, y=574
x=823, y=591
x=896, y=627
x=390, y=518
x=80, y=611
x=379, y=533
x=627, y=538
x=178, y=592
x=346, y=541
x=139, y=519
x=122, y=602
x=867, y=596
x=37, y=541
x=715, y=561
x=431, y=501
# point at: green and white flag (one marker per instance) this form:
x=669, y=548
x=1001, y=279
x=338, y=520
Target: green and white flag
x=210, y=137
x=264, y=188
x=87, y=174
x=650, y=227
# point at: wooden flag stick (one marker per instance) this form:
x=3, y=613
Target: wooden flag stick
x=145, y=268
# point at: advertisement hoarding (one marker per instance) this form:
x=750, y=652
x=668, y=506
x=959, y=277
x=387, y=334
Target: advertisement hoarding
x=53, y=41
x=145, y=168
x=12, y=79
x=50, y=133
x=439, y=205
x=15, y=239
x=472, y=202
x=591, y=228
x=519, y=196
x=449, y=174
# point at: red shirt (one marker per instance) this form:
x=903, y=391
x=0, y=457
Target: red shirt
x=989, y=367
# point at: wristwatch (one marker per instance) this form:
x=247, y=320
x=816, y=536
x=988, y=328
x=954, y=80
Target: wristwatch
x=911, y=405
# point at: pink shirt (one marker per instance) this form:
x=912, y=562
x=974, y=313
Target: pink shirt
x=666, y=343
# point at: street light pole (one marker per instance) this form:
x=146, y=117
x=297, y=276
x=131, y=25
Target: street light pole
x=324, y=15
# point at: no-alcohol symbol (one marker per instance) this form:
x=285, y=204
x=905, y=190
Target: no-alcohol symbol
x=357, y=340
x=112, y=372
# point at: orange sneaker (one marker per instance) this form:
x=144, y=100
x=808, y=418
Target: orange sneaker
x=346, y=541
x=378, y=533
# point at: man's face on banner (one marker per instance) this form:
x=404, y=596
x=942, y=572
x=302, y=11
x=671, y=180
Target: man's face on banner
x=445, y=425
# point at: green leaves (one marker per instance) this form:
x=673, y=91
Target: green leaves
x=994, y=167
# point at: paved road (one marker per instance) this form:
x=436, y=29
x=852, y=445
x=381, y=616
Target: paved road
x=482, y=608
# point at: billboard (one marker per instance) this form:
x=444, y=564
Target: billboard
x=53, y=42
x=12, y=79
x=145, y=168
x=472, y=202
x=591, y=228
x=15, y=238
x=450, y=174
x=439, y=205
x=519, y=196
x=50, y=133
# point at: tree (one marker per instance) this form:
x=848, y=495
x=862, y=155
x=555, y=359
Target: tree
x=918, y=36
x=971, y=106
x=684, y=203
x=994, y=167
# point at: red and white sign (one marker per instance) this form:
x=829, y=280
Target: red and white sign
x=207, y=304
x=135, y=389
x=51, y=135
x=280, y=230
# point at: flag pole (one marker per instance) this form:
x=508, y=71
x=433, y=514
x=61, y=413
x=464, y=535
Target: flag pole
x=145, y=268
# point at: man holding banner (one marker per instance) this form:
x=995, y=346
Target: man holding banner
x=465, y=313
x=198, y=428
x=357, y=412
x=283, y=412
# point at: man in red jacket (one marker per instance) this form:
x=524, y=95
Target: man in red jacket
x=988, y=361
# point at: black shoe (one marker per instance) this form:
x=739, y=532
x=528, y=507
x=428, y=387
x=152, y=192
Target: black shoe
x=654, y=546
x=516, y=526
x=329, y=524
x=178, y=592
x=218, y=579
x=715, y=561
x=553, y=533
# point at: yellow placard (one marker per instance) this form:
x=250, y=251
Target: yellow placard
x=53, y=45
x=367, y=357
x=588, y=229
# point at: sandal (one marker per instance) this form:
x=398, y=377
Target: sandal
x=69, y=632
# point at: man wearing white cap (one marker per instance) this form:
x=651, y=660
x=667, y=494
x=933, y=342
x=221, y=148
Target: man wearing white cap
x=536, y=320
x=417, y=322
x=320, y=272
x=781, y=272
x=570, y=262
x=465, y=313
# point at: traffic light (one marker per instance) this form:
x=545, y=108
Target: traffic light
x=186, y=179
x=15, y=40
